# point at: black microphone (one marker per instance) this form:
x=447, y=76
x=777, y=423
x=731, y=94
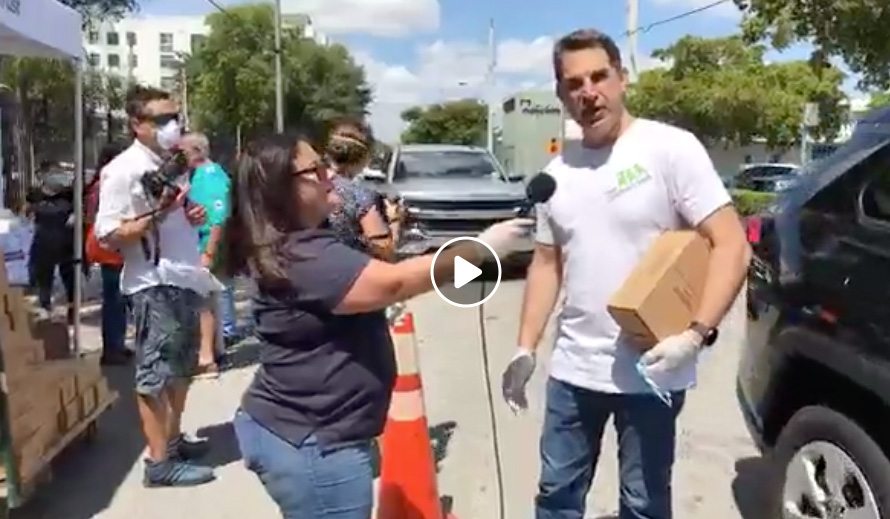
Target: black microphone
x=539, y=190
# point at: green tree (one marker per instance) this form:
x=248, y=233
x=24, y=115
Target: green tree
x=231, y=76
x=41, y=109
x=722, y=90
x=455, y=122
x=850, y=29
x=103, y=8
x=879, y=99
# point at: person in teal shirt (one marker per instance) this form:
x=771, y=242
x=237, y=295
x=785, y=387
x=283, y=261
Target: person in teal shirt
x=210, y=186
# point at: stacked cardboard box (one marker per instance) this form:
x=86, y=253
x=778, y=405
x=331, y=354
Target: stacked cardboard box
x=46, y=398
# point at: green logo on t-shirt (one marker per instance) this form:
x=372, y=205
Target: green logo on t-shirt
x=630, y=177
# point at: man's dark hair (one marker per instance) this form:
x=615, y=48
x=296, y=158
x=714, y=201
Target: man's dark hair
x=583, y=39
x=138, y=96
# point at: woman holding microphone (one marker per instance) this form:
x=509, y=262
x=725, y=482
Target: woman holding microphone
x=321, y=393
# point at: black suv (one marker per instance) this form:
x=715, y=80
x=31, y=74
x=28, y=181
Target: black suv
x=814, y=378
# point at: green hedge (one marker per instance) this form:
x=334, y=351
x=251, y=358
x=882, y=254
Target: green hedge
x=751, y=202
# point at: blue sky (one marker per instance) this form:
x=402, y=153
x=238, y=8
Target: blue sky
x=420, y=51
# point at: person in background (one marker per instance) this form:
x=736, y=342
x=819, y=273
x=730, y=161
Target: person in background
x=210, y=189
x=321, y=394
x=114, y=307
x=629, y=181
x=359, y=219
x=51, y=205
x=164, y=281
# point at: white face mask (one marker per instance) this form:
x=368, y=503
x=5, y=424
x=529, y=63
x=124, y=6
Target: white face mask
x=169, y=135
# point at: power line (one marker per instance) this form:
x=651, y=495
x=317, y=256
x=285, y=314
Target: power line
x=220, y=8
x=674, y=18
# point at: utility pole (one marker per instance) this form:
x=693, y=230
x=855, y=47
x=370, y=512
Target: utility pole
x=279, y=87
x=185, y=94
x=131, y=42
x=633, y=15
x=809, y=121
x=489, y=88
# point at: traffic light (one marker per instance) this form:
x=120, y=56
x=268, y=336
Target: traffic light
x=553, y=147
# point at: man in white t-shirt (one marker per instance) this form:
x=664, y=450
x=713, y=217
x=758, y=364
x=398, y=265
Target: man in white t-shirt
x=626, y=183
x=163, y=279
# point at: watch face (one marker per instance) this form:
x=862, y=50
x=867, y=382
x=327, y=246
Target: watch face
x=711, y=337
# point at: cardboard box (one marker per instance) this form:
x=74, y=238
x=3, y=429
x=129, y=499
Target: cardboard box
x=69, y=416
x=661, y=295
x=15, y=308
x=88, y=401
x=103, y=392
x=53, y=337
x=88, y=371
x=64, y=373
x=30, y=455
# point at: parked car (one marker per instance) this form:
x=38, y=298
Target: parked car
x=814, y=378
x=766, y=178
x=448, y=191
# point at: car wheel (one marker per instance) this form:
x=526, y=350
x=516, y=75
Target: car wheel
x=826, y=467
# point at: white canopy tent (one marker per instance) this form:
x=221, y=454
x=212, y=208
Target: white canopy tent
x=48, y=29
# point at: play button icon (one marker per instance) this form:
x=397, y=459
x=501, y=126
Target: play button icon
x=464, y=272
x=464, y=284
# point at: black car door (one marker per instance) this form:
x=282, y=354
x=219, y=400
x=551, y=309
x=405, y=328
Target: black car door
x=867, y=294
x=845, y=255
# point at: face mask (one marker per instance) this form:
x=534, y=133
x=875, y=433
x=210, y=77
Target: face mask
x=169, y=135
x=654, y=387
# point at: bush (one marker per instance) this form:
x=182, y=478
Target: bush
x=751, y=202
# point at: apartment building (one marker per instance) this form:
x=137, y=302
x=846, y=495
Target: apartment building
x=149, y=49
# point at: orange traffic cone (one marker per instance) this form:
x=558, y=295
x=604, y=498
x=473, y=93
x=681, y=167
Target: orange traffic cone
x=408, y=468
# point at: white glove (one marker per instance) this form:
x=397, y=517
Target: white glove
x=674, y=352
x=516, y=377
x=505, y=237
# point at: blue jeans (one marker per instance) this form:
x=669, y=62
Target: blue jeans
x=574, y=422
x=114, y=310
x=226, y=309
x=308, y=481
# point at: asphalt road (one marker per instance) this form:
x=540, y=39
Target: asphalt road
x=716, y=473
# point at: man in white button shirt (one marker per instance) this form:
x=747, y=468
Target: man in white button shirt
x=164, y=280
x=629, y=181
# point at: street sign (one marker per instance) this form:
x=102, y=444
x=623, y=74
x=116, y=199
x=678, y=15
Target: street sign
x=811, y=115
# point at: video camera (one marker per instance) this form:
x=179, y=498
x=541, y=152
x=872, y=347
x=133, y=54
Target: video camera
x=161, y=183
x=161, y=186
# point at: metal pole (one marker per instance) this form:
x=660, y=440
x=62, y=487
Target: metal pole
x=804, y=145
x=633, y=13
x=185, y=96
x=131, y=75
x=2, y=175
x=492, y=57
x=279, y=87
x=78, y=200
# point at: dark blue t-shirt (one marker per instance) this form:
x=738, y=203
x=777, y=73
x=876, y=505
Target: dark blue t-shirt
x=320, y=373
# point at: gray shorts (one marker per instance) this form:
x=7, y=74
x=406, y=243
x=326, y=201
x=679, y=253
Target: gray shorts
x=167, y=336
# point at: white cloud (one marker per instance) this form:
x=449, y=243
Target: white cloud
x=389, y=18
x=451, y=70
x=647, y=62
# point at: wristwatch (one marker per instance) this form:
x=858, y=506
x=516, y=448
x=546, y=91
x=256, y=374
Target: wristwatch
x=707, y=333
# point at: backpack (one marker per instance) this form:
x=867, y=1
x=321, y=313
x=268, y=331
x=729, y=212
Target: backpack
x=96, y=252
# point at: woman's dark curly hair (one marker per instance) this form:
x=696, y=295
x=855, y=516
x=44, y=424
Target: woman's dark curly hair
x=350, y=142
x=262, y=210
